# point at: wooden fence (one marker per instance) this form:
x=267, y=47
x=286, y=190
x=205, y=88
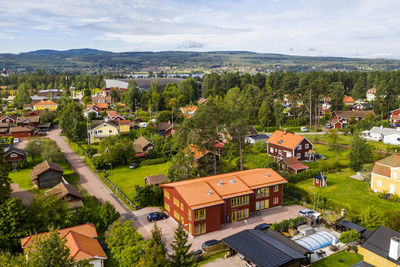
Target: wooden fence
x=119, y=192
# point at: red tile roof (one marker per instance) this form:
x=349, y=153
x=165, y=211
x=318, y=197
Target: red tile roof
x=283, y=139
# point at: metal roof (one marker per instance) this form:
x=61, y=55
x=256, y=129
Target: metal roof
x=351, y=225
x=317, y=240
x=261, y=248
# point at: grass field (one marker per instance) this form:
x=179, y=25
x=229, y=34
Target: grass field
x=126, y=179
x=342, y=188
x=341, y=259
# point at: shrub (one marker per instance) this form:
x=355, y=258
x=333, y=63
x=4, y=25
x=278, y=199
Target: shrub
x=153, y=161
x=349, y=236
x=99, y=163
x=90, y=151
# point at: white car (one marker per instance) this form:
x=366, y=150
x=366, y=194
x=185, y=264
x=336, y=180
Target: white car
x=309, y=213
x=16, y=140
x=143, y=124
x=304, y=129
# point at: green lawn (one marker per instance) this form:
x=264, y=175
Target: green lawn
x=126, y=179
x=342, y=188
x=341, y=259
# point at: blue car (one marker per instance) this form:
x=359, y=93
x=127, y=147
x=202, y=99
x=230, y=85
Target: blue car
x=156, y=216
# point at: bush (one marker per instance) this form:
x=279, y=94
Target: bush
x=349, y=236
x=99, y=163
x=90, y=151
x=153, y=161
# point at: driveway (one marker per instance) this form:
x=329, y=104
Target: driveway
x=88, y=179
x=169, y=225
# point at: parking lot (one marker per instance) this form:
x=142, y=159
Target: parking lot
x=168, y=226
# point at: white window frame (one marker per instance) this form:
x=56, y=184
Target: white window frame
x=395, y=175
x=13, y=155
x=280, y=151
x=271, y=150
x=379, y=183
x=299, y=147
x=298, y=155
x=306, y=146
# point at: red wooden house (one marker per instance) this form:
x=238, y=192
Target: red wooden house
x=320, y=180
x=285, y=145
x=202, y=205
x=11, y=119
x=395, y=116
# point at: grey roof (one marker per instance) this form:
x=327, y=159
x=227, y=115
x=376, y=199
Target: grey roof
x=379, y=242
x=16, y=150
x=163, y=126
x=259, y=137
x=351, y=225
x=156, y=179
x=383, y=131
x=261, y=248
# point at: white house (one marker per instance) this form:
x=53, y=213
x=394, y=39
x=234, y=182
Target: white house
x=371, y=94
x=393, y=138
x=377, y=133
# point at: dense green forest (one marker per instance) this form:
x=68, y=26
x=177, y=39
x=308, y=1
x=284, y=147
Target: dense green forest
x=91, y=61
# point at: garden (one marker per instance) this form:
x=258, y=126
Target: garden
x=341, y=259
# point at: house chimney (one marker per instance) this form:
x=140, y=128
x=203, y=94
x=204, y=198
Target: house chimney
x=394, y=249
x=381, y=127
x=285, y=131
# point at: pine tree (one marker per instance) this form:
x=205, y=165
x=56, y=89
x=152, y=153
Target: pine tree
x=155, y=251
x=182, y=255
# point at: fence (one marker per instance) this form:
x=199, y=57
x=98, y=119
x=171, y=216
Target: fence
x=217, y=248
x=119, y=192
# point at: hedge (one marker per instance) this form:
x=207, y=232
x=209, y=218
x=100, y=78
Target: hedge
x=153, y=161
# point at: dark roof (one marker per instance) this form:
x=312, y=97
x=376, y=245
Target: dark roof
x=16, y=150
x=259, y=136
x=252, y=130
x=366, y=234
x=163, y=126
x=44, y=166
x=351, y=225
x=262, y=248
x=379, y=242
x=294, y=163
x=356, y=113
x=288, y=242
x=319, y=177
x=63, y=189
x=156, y=179
x=44, y=125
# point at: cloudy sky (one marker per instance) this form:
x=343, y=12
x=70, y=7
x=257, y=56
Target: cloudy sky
x=351, y=28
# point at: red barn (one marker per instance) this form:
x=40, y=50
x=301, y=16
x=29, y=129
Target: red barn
x=202, y=205
x=285, y=145
x=395, y=116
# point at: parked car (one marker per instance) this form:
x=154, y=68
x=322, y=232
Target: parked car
x=16, y=140
x=328, y=125
x=197, y=255
x=309, y=213
x=394, y=125
x=156, y=216
x=263, y=226
x=320, y=156
x=133, y=165
x=143, y=124
x=209, y=243
x=304, y=129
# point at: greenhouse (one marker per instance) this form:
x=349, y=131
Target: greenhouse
x=317, y=240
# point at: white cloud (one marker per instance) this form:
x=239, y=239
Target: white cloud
x=362, y=28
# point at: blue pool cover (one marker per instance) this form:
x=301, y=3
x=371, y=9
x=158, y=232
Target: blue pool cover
x=316, y=241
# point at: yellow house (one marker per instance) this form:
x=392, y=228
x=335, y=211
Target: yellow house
x=381, y=248
x=124, y=126
x=385, y=176
x=43, y=105
x=101, y=129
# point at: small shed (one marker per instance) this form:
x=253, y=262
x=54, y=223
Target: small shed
x=155, y=179
x=46, y=174
x=320, y=180
x=67, y=192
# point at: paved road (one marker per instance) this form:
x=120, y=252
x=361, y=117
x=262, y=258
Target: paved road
x=88, y=179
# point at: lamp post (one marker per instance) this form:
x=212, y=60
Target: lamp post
x=314, y=201
x=110, y=165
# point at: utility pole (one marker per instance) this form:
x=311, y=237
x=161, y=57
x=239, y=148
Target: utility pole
x=314, y=201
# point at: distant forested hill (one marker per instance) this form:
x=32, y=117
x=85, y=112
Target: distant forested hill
x=92, y=61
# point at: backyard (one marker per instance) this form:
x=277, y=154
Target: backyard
x=341, y=187
x=126, y=179
x=341, y=259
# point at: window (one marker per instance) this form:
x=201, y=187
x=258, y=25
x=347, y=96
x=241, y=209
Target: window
x=379, y=183
x=271, y=150
x=167, y=207
x=240, y=201
x=166, y=194
x=199, y=214
x=262, y=192
x=299, y=147
x=199, y=228
x=176, y=202
x=276, y=200
x=181, y=205
x=263, y=204
x=276, y=188
x=280, y=152
x=240, y=214
x=306, y=146
x=109, y=131
x=190, y=229
x=177, y=215
x=396, y=175
x=99, y=131
x=13, y=155
x=298, y=155
x=189, y=215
